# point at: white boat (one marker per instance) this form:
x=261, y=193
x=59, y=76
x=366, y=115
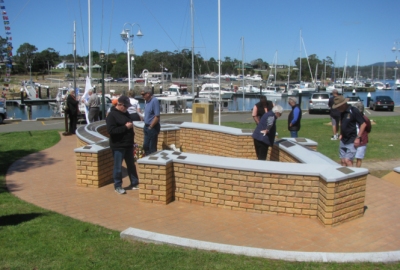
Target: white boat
x=334, y=86
x=397, y=84
x=379, y=85
x=306, y=88
x=175, y=104
x=211, y=90
x=255, y=78
x=274, y=91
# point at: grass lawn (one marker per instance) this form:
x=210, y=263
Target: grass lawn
x=35, y=238
x=383, y=141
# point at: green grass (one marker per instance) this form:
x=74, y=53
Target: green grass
x=35, y=238
x=383, y=139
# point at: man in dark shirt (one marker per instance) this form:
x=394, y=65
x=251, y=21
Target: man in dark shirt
x=120, y=128
x=349, y=135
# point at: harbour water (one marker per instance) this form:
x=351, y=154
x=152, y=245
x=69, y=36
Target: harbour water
x=236, y=104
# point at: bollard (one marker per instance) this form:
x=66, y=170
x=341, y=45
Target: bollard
x=160, y=89
x=40, y=92
x=48, y=92
x=152, y=89
x=368, y=99
x=260, y=89
x=22, y=96
x=198, y=90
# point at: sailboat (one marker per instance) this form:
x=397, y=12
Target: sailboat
x=306, y=88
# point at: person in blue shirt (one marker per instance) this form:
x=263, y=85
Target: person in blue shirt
x=151, y=122
x=294, y=117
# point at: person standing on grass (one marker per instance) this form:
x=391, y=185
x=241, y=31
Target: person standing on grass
x=120, y=128
x=335, y=116
x=151, y=122
x=260, y=108
x=294, y=117
x=360, y=153
x=350, y=135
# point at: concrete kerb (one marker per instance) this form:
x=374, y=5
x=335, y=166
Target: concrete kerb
x=157, y=238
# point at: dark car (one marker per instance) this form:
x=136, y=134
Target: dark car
x=382, y=103
x=318, y=103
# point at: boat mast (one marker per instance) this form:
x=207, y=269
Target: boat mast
x=74, y=57
x=90, y=39
x=358, y=60
x=219, y=61
x=276, y=62
x=300, y=61
x=191, y=8
x=243, y=69
x=384, y=71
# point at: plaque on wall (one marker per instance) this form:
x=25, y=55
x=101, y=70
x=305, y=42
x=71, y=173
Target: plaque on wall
x=287, y=144
x=345, y=170
x=166, y=158
x=153, y=158
x=301, y=140
x=176, y=153
x=87, y=147
x=181, y=157
x=200, y=110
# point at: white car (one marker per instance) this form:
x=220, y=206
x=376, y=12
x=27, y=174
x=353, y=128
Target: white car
x=154, y=80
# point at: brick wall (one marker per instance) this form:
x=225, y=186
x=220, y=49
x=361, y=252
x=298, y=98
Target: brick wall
x=293, y=195
x=341, y=201
x=94, y=169
x=156, y=183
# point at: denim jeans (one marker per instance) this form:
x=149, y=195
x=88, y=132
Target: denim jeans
x=119, y=155
x=293, y=134
x=150, y=139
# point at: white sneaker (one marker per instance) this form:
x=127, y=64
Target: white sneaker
x=334, y=137
x=120, y=190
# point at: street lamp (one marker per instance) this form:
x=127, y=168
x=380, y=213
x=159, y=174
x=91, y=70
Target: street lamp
x=128, y=38
x=103, y=100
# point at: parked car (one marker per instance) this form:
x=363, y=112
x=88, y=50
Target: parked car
x=154, y=80
x=108, y=79
x=353, y=99
x=382, y=102
x=318, y=102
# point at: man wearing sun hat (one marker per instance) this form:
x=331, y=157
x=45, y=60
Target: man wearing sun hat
x=120, y=128
x=349, y=137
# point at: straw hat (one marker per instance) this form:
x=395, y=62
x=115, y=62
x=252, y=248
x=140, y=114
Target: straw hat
x=339, y=101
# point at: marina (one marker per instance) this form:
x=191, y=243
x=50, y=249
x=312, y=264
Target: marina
x=236, y=103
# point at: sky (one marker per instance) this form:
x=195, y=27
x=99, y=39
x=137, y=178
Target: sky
x=364, y=30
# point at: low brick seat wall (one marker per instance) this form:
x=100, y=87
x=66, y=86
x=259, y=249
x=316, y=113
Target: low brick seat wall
x=330, y=193
x=217, y=167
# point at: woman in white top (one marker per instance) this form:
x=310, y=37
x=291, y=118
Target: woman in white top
x=134, y=110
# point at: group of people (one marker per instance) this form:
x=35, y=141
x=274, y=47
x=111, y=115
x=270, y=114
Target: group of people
x=120, y=127
x=354, y=126
x=354, y=129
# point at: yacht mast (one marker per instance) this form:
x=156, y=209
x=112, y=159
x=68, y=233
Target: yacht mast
x=90, y=39
x=300, y=60
x=74, y=57
x=243, y=70
x=219, y=61
x=358, y=60
x=191, y=8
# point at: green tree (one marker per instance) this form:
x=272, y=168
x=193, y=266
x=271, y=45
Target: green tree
x=26, y=54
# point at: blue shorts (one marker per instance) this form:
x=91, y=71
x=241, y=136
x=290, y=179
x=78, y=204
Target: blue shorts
x=347, y=151
x=361, y=151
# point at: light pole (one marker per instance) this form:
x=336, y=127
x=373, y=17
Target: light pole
x=103, y=100
x=128, y=38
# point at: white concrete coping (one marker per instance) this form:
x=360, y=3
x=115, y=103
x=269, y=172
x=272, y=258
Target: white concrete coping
x=326, y=171
x=158, y=238
x=215, y=128
x=164, y=127
x=397, y=169
x=91, y=148
x=308, y=142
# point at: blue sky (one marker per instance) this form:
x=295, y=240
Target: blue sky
x=341, y=26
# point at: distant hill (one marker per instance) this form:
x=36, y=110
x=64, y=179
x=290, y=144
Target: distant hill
x=381, y=64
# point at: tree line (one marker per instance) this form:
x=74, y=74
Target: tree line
x=29, y=59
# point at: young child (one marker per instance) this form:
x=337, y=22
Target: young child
x=364, y=136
